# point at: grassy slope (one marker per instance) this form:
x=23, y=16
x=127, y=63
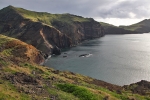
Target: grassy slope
x=26, y=81
x=48, y=18
x=111, y=29
x=133, y=27
x=138, y=26
x=107, y=25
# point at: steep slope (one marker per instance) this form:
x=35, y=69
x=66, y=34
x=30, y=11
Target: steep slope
x=17, y=51
x=47, y=32
x=36, y=33
x=111, y=29
x=141, y=27
x=22, y=79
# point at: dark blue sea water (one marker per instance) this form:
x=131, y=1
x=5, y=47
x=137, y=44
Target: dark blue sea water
x=117, y=59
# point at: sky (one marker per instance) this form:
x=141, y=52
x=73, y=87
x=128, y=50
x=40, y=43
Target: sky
x=116, y=12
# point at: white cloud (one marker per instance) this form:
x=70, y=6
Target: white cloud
x=132, y=15
x=118, y=21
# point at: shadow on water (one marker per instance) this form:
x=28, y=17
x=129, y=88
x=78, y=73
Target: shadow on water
x=87, y=43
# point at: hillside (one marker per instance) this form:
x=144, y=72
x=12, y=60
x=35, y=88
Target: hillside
x=141, y=27
x=18, y=51
x=22, y=79
x=111, y=29
x=47, y=32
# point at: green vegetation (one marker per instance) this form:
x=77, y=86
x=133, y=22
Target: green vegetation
x=62, y=95
x=77, y=91
x=21, y=79
x=5, y=39
x=7, y=52
x=113, y=94
x=111, y=29
x=9, y=92
x=107, y=25
x=133, y=27
x=28, y=65
x=48, y=18
x=142, y=26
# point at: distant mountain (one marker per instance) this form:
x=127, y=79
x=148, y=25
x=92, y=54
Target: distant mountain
x=141, y=27
x=48, y=32
x=111, y=29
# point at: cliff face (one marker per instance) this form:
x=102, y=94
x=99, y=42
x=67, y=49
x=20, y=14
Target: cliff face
x=79, y=31
x=48, y=34
x=43, y=37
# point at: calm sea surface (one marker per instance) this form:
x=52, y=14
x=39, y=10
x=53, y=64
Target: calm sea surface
x=117, y=59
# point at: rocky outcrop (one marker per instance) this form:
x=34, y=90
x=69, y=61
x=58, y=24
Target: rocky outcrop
x=142, y=87
x=48, y=38
x=18, y=51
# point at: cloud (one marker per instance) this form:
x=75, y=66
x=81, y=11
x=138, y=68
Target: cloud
x=119, y=21
x=104, y=9
x=124, y=9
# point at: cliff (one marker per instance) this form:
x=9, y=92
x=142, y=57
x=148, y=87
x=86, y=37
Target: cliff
x=47, y=32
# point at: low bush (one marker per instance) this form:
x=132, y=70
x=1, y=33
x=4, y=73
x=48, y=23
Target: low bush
x=80, y=92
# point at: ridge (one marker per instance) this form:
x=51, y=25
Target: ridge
x=58, y=30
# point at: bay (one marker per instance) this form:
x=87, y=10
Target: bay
x=117, y=59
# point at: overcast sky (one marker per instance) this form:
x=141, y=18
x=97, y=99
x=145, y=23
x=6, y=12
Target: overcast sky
x=117, y=12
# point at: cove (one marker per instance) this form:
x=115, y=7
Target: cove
x=117, y=59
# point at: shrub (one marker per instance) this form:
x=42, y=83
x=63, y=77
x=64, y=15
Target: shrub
x=80, y=92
